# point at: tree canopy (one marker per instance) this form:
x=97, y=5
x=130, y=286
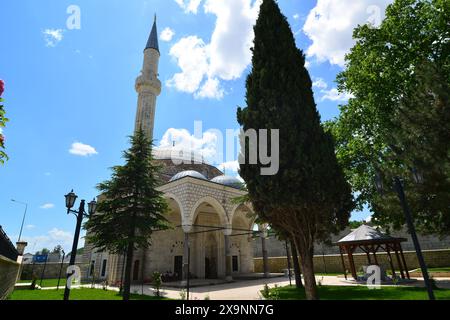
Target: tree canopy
x=130, y=207
x=308, y=198
x=397, y=121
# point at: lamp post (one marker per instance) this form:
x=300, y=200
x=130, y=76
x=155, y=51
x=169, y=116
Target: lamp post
x=398, y=186
x=80, y=214
x=23, y=219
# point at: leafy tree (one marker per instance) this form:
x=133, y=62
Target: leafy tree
x=44, y=251
x=308, y=198
x=131, y=208
x=3, y=121
x=355, y=224
x=398, y=119
x=57, y=250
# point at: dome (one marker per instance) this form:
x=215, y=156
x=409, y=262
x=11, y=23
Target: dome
x=188, y=173
x=177, y=154
x=228, y=181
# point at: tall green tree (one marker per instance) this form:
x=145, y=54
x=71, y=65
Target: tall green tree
x=398, y=120
x=130, y=208
x=308, y=198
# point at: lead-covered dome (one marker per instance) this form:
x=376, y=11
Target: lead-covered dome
x=188, y=173
x=228, y=181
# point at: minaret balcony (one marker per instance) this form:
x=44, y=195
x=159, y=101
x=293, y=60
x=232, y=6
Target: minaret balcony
x=148, y=85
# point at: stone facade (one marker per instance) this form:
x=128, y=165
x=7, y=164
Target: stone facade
x=333, y=264
x=202, y=212
x=9, y=271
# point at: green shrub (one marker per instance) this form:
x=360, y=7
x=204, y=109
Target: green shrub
x=157, y=281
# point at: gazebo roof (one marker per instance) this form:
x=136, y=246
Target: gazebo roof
x=367, y=234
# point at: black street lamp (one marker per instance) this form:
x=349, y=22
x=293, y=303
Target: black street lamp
x=80, y=214
x=24, y=215
x=398, y=185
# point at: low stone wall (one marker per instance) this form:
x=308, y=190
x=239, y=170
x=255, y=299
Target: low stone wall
x=51, y=270
x=333, y=264
x=8, y=276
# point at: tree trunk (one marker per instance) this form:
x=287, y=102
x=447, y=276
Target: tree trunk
x=308, y=274
x=297, y=271
x=127, y=280
x=306, y=259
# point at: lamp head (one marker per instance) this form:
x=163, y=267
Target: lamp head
x=70, y=199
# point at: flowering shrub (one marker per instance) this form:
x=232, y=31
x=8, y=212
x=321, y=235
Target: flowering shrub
x=3, y=121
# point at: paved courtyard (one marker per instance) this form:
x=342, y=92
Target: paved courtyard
x=247, y=289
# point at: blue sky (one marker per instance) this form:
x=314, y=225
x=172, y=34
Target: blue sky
x=70, y=92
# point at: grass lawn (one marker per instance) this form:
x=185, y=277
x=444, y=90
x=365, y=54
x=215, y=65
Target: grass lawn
x=447, y=269
x=363, y=293
x=75, y=294
x=47, y=282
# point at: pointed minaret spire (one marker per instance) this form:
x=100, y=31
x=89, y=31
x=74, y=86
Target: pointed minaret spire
x=148, y=86
x=152, y=42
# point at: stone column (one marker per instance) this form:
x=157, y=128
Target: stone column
x=265, y=258
x=263, y=235
x=228, y=258
x=185, y=258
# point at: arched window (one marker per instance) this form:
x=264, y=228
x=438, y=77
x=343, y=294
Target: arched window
x=136, y=270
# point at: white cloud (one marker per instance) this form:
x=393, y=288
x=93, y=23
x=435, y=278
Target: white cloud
x=226, y=57
x=205, y=146
x=52, y=36
x=296, y=16
x=50, y=240
x=189, y=6
x=320, y=83
x=232, y=166
x=80, y=149
x=210, y=89
x=167, y=34
x=330, y=26
x=47, y=206
x=334, y=95
x=191, y=55
x=30, y=226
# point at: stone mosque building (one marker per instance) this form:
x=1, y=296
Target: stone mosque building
x=208, y=227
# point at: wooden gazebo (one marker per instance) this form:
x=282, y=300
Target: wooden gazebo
x=370, y=241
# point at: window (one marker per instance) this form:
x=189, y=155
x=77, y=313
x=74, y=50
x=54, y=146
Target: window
x=91, y=272
x=136, y=270
x=235, y=264
x=104, y=268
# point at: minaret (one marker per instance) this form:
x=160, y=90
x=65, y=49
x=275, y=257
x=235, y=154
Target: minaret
x=148, y=85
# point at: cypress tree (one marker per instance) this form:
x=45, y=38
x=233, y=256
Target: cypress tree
x=308, y=198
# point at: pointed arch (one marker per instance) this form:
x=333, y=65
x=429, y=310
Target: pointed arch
x=221, y=212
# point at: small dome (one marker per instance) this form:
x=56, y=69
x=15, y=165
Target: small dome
x=188, y=173
x=228, y=181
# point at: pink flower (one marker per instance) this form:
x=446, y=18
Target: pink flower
x=2, y=87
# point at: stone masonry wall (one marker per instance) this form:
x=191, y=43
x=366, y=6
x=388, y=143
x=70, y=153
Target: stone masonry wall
x=275, y=248
x=333, y=264
x=51, y=270
x=8, y=276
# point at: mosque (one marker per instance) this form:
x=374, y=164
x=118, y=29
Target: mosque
x=210, y=230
